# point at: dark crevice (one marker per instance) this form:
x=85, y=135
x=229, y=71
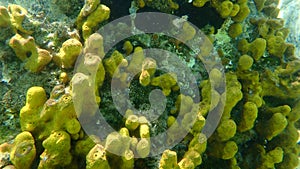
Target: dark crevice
x=206, y=15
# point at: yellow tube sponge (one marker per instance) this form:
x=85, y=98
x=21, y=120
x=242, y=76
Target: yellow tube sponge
x=144, y=131
x=168, y=160
x=199, y=3
x=186, y=163
x=127, y=47
x=269, y=159
x=226, y=129
x=187, y=33
x=223, y=150
x=132, y=122
x=96, y=158
x=199, y=124
x=68, y=53
x=73, y=126
x=89, y=7
x=245, y=62
x=259, y=4
x=135, y=64
x=148, y=70
x=225, y=8
x=23, y=151
x=233, y=94
x=35, y=99
x=242, y=14
x=25, y=48
x=194, y=156
x=116, y=143
x=257, y=48
x=143, y=147
x=235, y=30
x=276, y=45
x=18, y=15
x=249, y=116
x=290, y=161
x=94, y=45
x=235, y=10
x=198, y=143
x=36, y=62
x=165, y=81
x=275, y=125
x=4, y=17
x=57, y=151
x=101, y=14
x=127, y=160
x=113, y=63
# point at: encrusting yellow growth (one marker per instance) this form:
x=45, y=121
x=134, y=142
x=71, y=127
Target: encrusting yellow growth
x=68, y=53
x=23, y=151
x=25, y=48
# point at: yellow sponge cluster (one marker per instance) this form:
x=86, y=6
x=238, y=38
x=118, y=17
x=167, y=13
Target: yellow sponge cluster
x=91, y=15
x=13, y=17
